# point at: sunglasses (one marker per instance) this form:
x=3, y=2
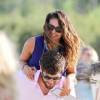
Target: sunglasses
x=46, y=77
x=57, y=29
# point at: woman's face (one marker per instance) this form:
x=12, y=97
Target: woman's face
x=55, y=30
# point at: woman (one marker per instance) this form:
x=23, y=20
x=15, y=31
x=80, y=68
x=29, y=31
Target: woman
x=58, y=33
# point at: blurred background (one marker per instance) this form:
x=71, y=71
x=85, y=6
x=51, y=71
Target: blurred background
x=21, y=19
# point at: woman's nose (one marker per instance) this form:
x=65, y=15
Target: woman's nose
x=53, y=31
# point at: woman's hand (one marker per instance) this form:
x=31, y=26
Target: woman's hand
x=66, y=88
x=68, y=85
x=29, y=72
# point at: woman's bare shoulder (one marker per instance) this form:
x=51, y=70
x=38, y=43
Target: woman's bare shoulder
x=30, y=41
x=30, y=44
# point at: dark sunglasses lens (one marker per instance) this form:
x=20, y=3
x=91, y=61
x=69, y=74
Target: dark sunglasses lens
x=57, y=78
x=58, y=29
x=47, y=78
x=50, y=27
x=54, y=78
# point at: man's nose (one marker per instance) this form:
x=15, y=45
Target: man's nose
x=51, y=81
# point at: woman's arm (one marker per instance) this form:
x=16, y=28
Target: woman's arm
x=68, y=86
x=26, y=53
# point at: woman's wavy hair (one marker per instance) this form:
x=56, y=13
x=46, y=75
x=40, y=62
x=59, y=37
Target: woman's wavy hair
x=70, y=40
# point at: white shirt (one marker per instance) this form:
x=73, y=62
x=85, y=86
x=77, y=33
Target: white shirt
x=30, y=90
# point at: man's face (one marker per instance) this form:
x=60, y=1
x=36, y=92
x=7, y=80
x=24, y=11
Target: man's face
x=51, y=80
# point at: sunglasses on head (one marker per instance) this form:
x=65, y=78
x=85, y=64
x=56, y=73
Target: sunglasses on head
x=46, y=77
x=51, y=28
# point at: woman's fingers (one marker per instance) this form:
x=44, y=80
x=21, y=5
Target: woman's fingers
x=66, y=87
x=65, y=92
x=29, y=72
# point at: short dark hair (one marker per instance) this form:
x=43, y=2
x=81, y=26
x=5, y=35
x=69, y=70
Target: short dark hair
x=52, y=62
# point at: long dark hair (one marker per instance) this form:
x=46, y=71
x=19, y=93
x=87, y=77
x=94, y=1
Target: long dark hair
x=69, y=41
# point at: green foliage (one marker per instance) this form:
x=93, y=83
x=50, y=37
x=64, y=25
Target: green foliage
x=7, y=6
x=24, y=18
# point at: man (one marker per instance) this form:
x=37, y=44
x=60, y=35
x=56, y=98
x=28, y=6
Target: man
x=48, y=81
